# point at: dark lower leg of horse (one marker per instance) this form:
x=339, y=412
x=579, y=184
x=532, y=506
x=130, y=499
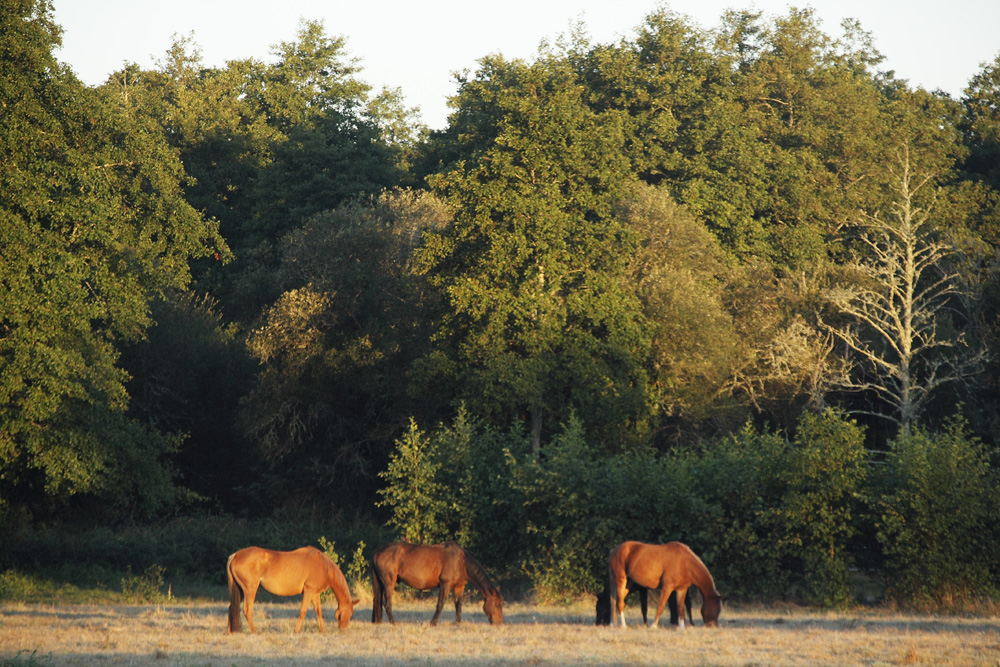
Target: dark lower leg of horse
x=388, y=606
x=440, y=604
x=458, y=608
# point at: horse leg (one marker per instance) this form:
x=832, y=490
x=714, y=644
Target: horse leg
x=248, y=597
x=458, y=593
x=442, y=594
x=681, y=594
x=388, y=588
x=318, y=605
x=661, y=603
x=643, y=602
x=303, y=608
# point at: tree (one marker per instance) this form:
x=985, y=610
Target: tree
x=335, y=348
x=678, y=271
x=93, y=225
x=982, y=123
x=539, y=319
x=816, y=105
x=981, y=133
x=269, y=145
x=767, y=132
x=897, y=331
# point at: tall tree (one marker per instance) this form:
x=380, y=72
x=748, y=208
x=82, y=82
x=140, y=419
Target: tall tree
x=336, y=346
x=540, y=320
x=982, y=123
x=898, y=331
x=93, y=224
x=271, y=144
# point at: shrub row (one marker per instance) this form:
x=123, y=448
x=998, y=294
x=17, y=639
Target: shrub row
x=772, y=515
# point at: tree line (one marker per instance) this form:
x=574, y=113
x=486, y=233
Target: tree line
x=748, y=249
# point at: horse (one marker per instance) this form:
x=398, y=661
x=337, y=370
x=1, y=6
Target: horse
x=307, y=570
x=671, y=567
x=445, y=566
x=603, y=606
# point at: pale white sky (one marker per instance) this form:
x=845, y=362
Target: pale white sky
x=416, y=46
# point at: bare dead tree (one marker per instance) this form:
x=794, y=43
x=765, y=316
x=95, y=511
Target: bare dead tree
x=895, y=306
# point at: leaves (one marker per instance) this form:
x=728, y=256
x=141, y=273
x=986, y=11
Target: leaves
x=94, y=226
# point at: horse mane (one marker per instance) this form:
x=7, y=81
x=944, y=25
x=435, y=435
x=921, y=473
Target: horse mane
x=477, y=575
x=706, y=585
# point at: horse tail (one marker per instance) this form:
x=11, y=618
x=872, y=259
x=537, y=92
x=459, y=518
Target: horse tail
x=235, y=596
x=378, y=594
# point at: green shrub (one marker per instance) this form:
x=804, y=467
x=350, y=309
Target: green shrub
x=144, y=588
x=937, y=517
x=454, y=484
x=737, y=482
x=414, y=491
x=823, y=476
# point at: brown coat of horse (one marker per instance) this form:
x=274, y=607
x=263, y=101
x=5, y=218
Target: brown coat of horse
x=307, y=571
x=445, y=566
x=669, y=567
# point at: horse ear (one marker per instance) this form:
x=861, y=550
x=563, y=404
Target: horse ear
x=355, y=601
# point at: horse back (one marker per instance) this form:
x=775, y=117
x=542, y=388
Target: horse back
x=419, y=566
x=648, y=565
x=638, y=562
x=284, y=572
x=424, y=566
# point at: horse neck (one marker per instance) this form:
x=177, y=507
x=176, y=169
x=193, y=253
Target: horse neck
x=477, y=575
x=702, y=577
x=338, y=584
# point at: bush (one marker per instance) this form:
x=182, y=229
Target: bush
x=144, y=588
x=454, y=484
x=937, y=518
x=414, y=490
x=771, y=517
x=738, y=481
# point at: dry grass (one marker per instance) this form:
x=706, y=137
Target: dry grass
x=195, y=634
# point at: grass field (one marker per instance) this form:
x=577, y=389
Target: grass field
x=195, y=634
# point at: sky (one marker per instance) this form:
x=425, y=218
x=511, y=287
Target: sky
x=418, y=46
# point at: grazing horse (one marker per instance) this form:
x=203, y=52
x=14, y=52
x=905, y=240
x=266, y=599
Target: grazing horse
x=445, y=566
x=307, y=570
x=669, y=567
x=603, y=606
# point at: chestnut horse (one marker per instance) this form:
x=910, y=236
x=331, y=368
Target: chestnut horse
x=307, y=570
x=671, y=567
x=445, y=566
x=603, y=606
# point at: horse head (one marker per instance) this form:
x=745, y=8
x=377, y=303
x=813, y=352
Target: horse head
x=344, y=613
x=710, y=609
x=493, y=606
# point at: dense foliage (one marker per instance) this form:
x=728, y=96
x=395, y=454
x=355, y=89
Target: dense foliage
x=735, y=287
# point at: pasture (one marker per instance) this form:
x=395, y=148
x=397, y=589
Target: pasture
x=195, y=634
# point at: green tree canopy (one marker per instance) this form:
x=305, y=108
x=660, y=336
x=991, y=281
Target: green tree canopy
x=539, y=318
x=335, y=347
x=93, y=224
